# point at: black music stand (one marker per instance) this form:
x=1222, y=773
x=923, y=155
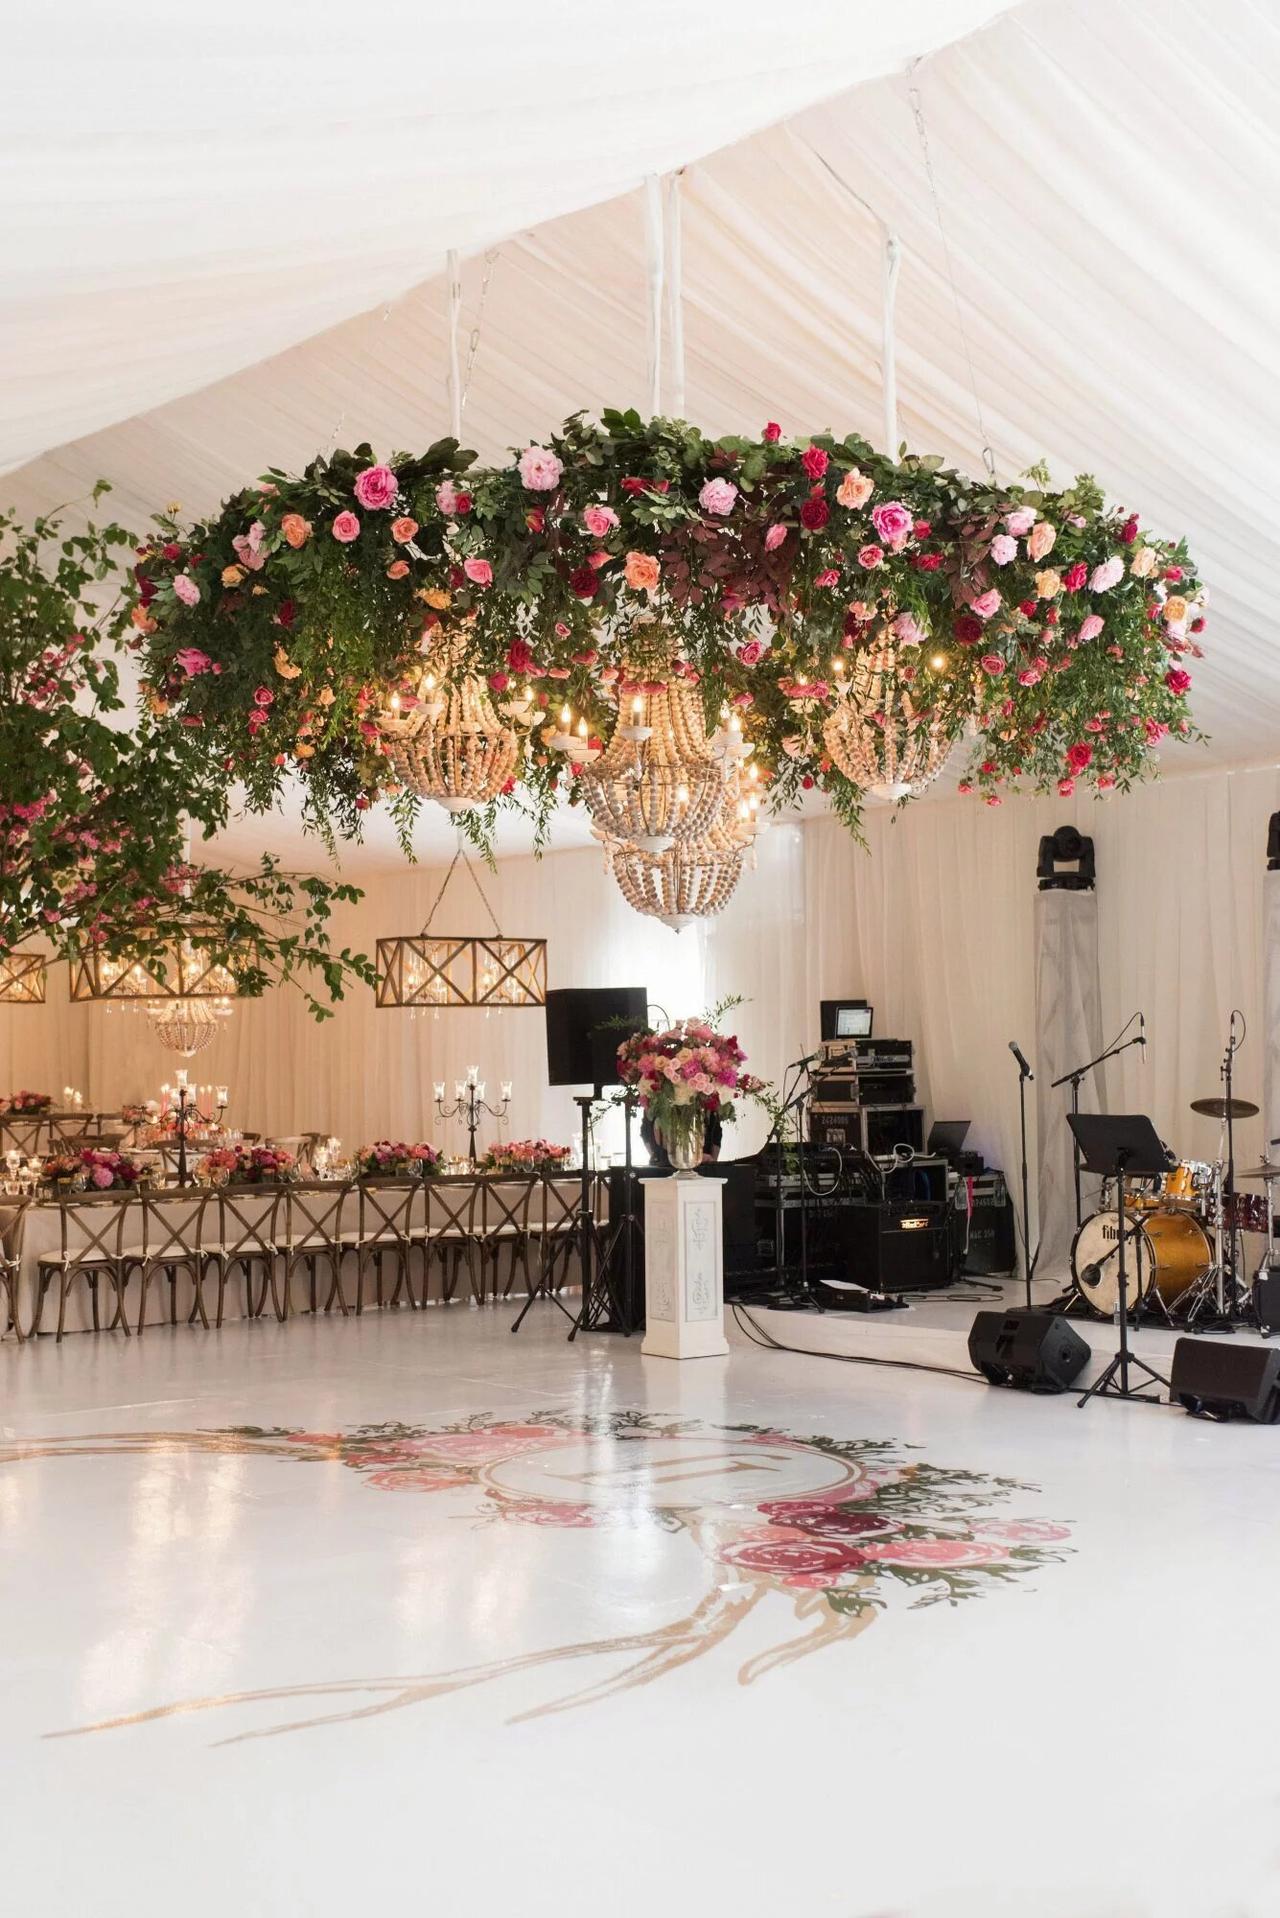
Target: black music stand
x=1115, y=1145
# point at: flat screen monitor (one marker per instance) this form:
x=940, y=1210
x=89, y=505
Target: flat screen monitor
x=846, y=1019
x=585, y=1027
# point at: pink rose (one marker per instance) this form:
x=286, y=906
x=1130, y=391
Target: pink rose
x=907, y=630
x=828, y=578
x=478, y=571
x=346, y=528
x=186, y=589
x=403, y=530
x=893, y=522
x=376, y=487
x=986, y=603
x=751, y=652
x=539, y=469
x=717, y=496
x=1022, y=1531
x=870, y=556
x=1079, y=757
x=1020, y=521
x=1177, y=681
x=772, y=433
x=1066, y=788
x=264, y=696
x=1043, y=539
x=814, y=462
x=101, y=1176
x=447, y=497
x=774, y=538
x=948, y=1553
x=599, y=521
x=1104, y=577
x=1030, y=676
x=992, y=665
x=1003, y=549
x=193, y=661
x=1090, y=627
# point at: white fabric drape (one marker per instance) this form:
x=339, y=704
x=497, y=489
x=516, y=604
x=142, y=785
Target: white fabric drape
x=934, y=924
x=1068, y=1032
x=1271, y=1012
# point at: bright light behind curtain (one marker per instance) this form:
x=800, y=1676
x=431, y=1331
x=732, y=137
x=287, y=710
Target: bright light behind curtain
x=1068, y=1032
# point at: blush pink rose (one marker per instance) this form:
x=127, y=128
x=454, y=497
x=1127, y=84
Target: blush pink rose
x=893, y=522
x=346, y=528
x=186, y=589
x=403, y=530
x=943, y=1553
x=599, y=521
x=907, y=630
x=478, y=571
x=1043, y=539
x=870, y=556
x=992, y=665
x=855, y=489
x=1003, y=549
x=193, y=661
x=376, y=488
x=774, y=538
x=101, y=1176
x=717, y=496
x=986, y=604
x=1107, y=575
x=539, y=469
x=1020, y=521
x=1090, y=627
x=447, y=497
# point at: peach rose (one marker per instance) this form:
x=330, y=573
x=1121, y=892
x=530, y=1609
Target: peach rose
x=397, y=569
x=1048, y=583
x=641, y=572
x=1142, y=565
x=855, y=489
x=436, y=598
x=297, y=531
x=1175, y=609
x=1041, y=542
x=232, y=575
x=403, y=530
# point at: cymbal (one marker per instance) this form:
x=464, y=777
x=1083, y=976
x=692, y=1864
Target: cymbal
x=1264, y=1171
x=1225, y=1108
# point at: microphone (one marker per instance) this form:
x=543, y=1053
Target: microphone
x=797, y=1064
x=1142, y=1032
x=1023, y=1067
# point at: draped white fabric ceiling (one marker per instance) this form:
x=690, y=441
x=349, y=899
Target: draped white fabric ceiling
x=216, y=188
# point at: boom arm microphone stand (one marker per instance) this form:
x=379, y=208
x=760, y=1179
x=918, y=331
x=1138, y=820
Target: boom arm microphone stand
x=1025, y=1076
x=1073, y=1079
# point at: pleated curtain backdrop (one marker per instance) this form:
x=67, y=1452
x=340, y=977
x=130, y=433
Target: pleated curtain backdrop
x=1271, y=1015
x=934, y=923
x=1068, y=1033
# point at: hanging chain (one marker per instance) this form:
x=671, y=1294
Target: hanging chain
x=340, y=422
x=473, y=341
x=922, y=133
x=463, y=855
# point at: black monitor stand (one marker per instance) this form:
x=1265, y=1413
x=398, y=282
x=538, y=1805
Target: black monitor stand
x=1119, y=1146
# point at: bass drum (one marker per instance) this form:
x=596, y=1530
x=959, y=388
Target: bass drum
x=1164, y=1253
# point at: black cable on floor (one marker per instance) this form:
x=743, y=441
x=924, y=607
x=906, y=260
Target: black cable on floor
x=759, y=1335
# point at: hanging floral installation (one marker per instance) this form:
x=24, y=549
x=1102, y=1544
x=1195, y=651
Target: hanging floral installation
x=425, y=627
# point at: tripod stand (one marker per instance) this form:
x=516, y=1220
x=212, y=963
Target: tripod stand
x=1113, y=1146
x=1073, y=1079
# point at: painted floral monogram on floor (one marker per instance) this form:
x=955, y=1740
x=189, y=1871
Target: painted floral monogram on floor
x=830, y=1531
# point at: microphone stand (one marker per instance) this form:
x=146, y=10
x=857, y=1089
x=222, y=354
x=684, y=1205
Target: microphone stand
x=1073, y=1079
x=1024, y=1073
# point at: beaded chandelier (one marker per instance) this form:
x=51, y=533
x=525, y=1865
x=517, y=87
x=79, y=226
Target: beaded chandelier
x=187, y=1026
x=878, y=737
x=448, y=743
x=658, y=780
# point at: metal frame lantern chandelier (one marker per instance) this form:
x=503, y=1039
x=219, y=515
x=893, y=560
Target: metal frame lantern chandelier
x=424, y=972
x=23, y=978
x=878, y=737
x=185, y=991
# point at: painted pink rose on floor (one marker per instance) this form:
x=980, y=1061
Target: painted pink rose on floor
x=491, y=1443
x=542, y=1512
x=838, y=1524
x=376, y=488
x=941, y=1554
x=415, y=1479
x=784, y=1558
x=1022, y=1531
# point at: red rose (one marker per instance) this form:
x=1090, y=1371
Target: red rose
x=498, y=682
x=520, y=656
x=922, y=528
x=1129, y=531
x=1027, y=607
x=1075, y=576
x=927, y=562
x=807, y=782
x=772, y=432
x=1051, y=616
x=462, y=502
x=536, y=520
x=1173, y=573
x=172, y=550
x=146, y=587
x=815, y=512
x=583, y=582
x=814, y=462
x=634, y=485
x=1197, y=625
x=1078, y=757
x=287, y=614
x=967, y=629
x=1177, y=681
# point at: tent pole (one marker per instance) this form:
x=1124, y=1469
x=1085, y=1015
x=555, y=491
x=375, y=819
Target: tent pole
x=889, y=360
x=675, y=291
x=653, y=226
x=455, y=325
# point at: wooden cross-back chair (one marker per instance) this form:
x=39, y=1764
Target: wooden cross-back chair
x=172, y=1241
x=91, y=1228
x=314, y=1233
x=503, y=1226
x=246, y=1237
x=386, y=1222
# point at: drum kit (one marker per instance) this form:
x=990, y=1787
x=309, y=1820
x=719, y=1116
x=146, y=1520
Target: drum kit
x=1183, y=1240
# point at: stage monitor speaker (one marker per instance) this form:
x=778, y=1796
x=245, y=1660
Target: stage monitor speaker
x=1218, y=1381
x=1032, y=1351
x=898, y=1245
x=585, y=1027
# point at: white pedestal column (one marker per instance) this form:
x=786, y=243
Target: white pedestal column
x=684, y=1269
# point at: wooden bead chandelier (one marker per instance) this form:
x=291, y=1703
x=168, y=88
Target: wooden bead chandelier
x=658, y=781
x=877, y=735
x=693, y=878
x=448, y=743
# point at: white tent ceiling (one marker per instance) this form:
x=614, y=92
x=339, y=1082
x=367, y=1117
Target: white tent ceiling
x=1108, y=172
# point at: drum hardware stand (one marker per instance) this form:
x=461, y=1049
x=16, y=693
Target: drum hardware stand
x=1073, y=1079
x=794, y=1096
x=1025, y=1076
x=1118, y=1145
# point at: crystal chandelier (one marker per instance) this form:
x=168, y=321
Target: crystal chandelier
x=447, y=742
x=658, y=780
x=187, y=1026
x=877, y=735
x=23, y=976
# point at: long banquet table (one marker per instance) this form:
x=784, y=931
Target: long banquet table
x=37, y=1226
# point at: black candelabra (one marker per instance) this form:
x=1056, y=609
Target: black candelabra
x=186, y=1112
x=470, y=1105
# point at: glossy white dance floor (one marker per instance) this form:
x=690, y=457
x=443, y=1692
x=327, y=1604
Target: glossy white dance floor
x=336, y=1656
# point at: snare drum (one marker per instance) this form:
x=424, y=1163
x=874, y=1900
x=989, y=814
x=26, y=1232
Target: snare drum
x=1165, y=1252
x=1245, y=1212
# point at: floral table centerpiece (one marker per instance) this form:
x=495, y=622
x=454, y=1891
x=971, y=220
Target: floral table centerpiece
x=531, y=1158
x=392, y=1159
x=30, y=1103
x=91, y=1169
x=682, y=1077
x=247, y=1165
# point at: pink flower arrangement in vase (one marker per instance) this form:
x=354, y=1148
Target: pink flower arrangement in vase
x=530, y=1157
x=91, y=1169
x=30, y=1102
x=682, y=1076
x=389, y=1159
x=247, y=1165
